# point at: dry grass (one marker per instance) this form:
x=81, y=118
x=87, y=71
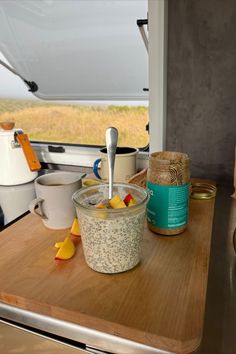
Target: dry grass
x=76, y=124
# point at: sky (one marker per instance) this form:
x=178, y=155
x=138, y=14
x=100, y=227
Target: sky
x=11, y=85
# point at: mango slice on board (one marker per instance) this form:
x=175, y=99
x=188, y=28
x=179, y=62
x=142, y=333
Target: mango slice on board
x=67, y=249
x=58, y=244
x=75, y=228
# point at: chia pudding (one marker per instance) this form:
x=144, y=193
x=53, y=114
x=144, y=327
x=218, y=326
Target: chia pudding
x=111, y=238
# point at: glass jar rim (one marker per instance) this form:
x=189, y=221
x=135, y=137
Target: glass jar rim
x=106, y=185
x=169, y=157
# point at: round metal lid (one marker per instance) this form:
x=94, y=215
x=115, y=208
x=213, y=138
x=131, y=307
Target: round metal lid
x=201, y=190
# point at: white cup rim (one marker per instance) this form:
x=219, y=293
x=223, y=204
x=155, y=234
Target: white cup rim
x=55, y=177
x=127, y=151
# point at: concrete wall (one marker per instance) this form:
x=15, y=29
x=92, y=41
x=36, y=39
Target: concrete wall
x=201, y=114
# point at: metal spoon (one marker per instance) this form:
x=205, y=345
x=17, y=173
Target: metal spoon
x=111, y=144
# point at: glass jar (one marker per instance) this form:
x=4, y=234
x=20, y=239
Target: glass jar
x=111, y=238
x=168, y=183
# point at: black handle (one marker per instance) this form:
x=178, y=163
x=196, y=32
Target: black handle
x=142, y=22
x=33, y=87
x=58, y=149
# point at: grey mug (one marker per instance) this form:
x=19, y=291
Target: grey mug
x=53, y=204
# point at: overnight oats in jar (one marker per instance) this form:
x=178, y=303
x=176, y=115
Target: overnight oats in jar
x=111, y=230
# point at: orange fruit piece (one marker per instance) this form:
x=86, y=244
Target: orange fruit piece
x=116, y=202
x=75, y=228
x=58, y=244
x=120, y=205
x=66, y=250
x=100, y=205
x=132, y=202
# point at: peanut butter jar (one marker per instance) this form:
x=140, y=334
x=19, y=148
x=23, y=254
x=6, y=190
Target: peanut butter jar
x=168, y=185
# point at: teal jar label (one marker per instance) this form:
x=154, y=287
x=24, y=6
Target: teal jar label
x=168, y=205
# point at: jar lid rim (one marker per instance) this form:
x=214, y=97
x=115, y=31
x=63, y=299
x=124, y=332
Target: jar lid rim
x=170, y=157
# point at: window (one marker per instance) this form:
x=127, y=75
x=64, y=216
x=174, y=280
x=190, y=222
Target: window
x=75, y=123
x=157, y=79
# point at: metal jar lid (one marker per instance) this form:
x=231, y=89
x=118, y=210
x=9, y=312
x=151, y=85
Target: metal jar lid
x=201, y=190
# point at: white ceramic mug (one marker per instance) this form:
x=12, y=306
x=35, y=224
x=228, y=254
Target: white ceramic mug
x=54, y=199
x=125, y=164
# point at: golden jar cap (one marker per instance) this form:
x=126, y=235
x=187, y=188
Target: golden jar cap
x=201, y=190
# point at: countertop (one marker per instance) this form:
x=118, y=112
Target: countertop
x=157, y=306
x=220, y=314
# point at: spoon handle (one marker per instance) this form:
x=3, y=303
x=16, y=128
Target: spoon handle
x=111, y=144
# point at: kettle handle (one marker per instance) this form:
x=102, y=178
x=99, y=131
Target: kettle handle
x=30, y=155
x=34, y=204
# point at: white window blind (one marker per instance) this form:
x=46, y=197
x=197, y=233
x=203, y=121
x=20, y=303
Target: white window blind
x=77, y=49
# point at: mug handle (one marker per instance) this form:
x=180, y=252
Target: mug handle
x=95, y=168
x=34, y=204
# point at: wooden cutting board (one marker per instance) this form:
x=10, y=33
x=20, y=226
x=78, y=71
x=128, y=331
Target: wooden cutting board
x=159, y=303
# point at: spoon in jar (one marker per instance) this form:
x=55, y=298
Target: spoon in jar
x=111, y=144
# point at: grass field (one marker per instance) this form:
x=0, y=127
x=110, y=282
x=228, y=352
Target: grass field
x=76, y=124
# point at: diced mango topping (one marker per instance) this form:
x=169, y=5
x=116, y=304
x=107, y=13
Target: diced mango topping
x=115, y=201
x=101, y=213
x=120, y=205
x=100, y=205
x=132, y=202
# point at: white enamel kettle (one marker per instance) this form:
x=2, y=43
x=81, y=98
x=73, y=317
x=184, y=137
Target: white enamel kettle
x=18, y=162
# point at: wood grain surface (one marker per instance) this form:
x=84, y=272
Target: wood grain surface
x=159, y=303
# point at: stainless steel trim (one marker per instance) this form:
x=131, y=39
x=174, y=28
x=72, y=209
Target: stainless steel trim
x=81, y=350
x=93, y=338
x=92, y=350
